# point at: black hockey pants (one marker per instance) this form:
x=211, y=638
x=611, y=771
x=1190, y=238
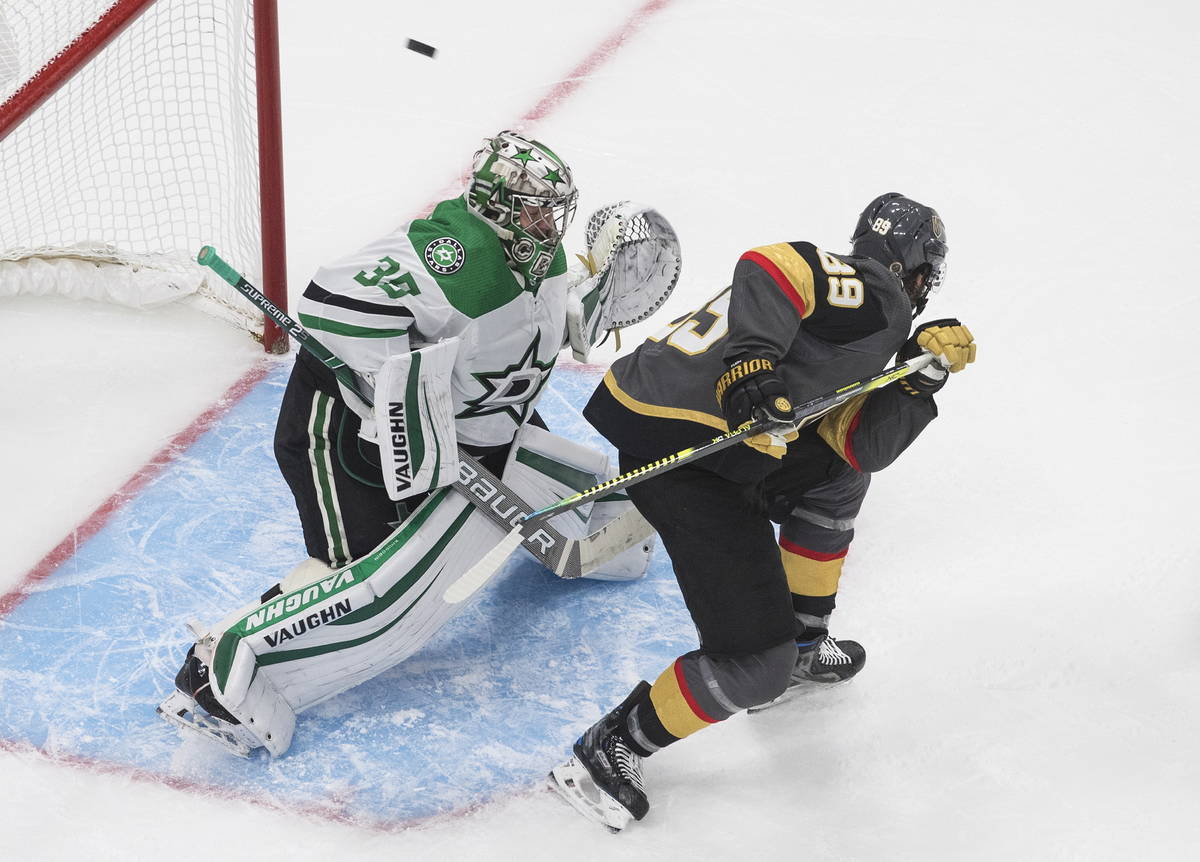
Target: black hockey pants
x=334, y=474
x=729, y=570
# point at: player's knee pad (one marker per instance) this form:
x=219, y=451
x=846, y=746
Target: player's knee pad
x=831, y=505
x=814, y=537
x=757, y=678
x=723, y=685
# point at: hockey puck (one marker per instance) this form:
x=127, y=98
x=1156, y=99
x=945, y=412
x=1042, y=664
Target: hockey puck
x=422, y=48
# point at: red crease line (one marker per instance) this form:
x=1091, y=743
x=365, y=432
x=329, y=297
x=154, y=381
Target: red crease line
x=333, y=809
x=96, y=521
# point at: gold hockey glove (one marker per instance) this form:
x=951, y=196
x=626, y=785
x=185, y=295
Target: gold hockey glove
x=751, y=391
x=948, y=340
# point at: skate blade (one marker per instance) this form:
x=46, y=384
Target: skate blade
x=574, y=784
x=180, y=710
x=798, y=691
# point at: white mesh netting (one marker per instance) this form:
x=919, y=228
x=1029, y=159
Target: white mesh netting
x=148, y=153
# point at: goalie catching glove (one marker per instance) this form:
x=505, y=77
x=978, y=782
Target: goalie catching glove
x=751, y=391
x=948, y=340
x=631, y=267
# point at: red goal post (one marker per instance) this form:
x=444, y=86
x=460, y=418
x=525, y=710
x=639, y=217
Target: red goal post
x=133, y=132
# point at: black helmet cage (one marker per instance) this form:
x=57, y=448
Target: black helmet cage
x=907, y=237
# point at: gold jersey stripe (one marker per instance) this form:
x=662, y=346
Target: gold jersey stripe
x=795, y=269
x=661, y=412
x=834, y=428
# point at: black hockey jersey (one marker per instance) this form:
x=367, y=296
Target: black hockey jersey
x=824, y=320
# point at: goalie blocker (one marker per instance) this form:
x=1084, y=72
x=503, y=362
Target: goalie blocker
x=248, y=677
x=411, y=419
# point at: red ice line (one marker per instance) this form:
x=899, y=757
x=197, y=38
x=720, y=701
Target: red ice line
x=572, y=81
x=178, y=444
x=335, y=809
x=94, y=522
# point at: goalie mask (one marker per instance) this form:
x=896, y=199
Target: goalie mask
x=909, y=239
x=526, y=192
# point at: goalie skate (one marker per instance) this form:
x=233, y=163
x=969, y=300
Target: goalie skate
x=182, y=711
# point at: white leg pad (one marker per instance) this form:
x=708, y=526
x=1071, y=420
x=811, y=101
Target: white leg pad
x=544, y=468
x=330, y=630
x=271, y=661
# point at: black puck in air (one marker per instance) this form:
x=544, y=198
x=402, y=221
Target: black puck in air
x=422, y=48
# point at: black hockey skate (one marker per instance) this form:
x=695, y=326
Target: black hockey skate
x=603, y=781
x=192, y=680
x=193, y=707
x=823, y=661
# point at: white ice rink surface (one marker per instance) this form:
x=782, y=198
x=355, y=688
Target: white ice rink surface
x=1026, y=579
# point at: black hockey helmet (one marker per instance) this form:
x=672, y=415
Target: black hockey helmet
x=909, y=239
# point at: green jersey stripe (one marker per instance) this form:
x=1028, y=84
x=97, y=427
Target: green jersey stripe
x=385, y=602
x=359, y=572
x=322, y=324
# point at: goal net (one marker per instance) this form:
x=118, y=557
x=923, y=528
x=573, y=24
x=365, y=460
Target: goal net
x=131, y=134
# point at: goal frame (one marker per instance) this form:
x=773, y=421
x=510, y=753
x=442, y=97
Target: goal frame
x=95, y=38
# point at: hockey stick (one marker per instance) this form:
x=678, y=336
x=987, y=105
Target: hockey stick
x=567, y=558
x=802, y=415
x=208, y=257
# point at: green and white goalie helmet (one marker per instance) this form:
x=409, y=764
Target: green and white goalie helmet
x=526, y=192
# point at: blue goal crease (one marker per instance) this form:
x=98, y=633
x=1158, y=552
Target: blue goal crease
x=483, y=710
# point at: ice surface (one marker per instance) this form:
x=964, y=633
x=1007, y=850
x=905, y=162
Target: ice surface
x=1024, y=579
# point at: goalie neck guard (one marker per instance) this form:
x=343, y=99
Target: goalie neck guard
x=527, y=194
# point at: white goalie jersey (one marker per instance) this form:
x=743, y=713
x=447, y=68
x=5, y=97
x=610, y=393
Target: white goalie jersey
x=439, y=278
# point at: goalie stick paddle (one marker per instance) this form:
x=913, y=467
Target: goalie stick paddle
x=567, y=558
x=479, y=574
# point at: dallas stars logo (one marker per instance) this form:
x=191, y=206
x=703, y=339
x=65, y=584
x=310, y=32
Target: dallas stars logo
x=512, y=390
x=445, y=255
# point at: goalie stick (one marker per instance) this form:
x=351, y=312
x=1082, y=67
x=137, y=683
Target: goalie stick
x=567, y=558
x=482, y=571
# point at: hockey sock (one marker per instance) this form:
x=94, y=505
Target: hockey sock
x=816, y=606
x=812, y=576
x=643, y=732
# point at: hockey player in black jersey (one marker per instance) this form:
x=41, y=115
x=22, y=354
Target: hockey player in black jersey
x=796, y=322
